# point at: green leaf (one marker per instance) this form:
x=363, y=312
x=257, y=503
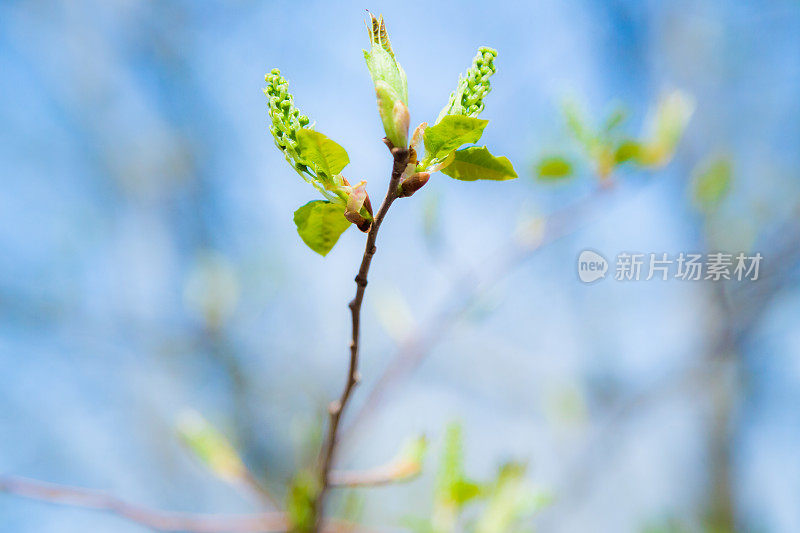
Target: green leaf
x=671, y=118
x=712, y=181
x=578, y=124
x=477, y=163
x=303, y=491
x=383, y=67
x=381, y=61
x=464, y=491
x=320, y=223
x=665, y=129
x=210, y=446
x=510, y=500
x=325, y=156
x=553, y=168
x=452, y=132
x=626, y=151
x=451, y=466
x=615, y=119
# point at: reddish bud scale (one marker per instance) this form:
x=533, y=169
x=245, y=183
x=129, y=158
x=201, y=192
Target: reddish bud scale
x=414, y=183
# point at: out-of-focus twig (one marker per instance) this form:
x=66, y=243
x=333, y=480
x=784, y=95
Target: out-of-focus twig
x=382, y=475
x=152, y=518
x=747, y=303
x=464, y=291
x=155, y=519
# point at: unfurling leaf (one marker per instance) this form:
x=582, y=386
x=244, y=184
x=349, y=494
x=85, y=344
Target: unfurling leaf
x=712, y=181
x=394, y=114
x=476, y=163
x=390, y=83
x=381, y=62
x=553, y=168
x=324, y=156
x=452, y=132
x=320, y=223
x=211, y=447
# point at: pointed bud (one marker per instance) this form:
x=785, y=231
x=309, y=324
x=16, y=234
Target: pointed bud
x=393, y=113
x=413, y=184
x=402, y=120
x=357, y=198
x=417, y=136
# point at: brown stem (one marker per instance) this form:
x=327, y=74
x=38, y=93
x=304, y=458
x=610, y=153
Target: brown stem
x=336, y=408
x=462, y=294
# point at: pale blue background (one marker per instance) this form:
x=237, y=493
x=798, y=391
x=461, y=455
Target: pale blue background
x=134, y=141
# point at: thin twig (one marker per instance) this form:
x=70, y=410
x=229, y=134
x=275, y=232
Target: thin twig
x=462, y=293
x=158, y=520
x=154, y=519
x=400, y=157
x=375, y=477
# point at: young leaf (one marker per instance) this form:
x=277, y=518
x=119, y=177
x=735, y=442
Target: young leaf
x=381, y=62
x=303, y=491
x=665, y=129
x=390, y=83
x=394, y=114
x=452, y=132
x=476, y=163
x=626, y=151
x=511, y=498
x=210, y=446
x=324, y=155
x=553, y=168
x=711, y=183
x=578, y=125
x=320, y=223
x=615, y=119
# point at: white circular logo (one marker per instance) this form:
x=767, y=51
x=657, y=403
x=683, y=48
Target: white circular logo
x=591, y=266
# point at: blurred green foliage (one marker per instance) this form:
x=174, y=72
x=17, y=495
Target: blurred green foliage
x=605, y=147
x=462, y=504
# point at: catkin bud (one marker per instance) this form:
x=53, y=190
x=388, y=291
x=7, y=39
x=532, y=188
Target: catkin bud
x=468, y=98
x=286, y=119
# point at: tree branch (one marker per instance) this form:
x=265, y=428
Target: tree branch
x=462, y=293
x=158, y=520
x=336, y=408
x=155, y=519
x=375, y=477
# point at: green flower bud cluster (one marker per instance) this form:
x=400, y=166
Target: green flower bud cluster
x=286, y=118
x=467, y=99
